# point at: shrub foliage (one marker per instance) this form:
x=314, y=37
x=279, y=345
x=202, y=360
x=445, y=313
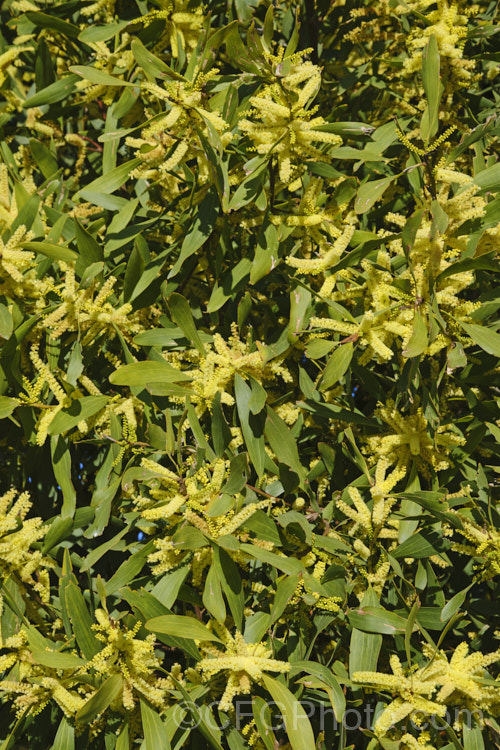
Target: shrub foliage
x=248, y=366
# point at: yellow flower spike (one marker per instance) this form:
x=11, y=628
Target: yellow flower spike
x=484, y=543
x=17, y=535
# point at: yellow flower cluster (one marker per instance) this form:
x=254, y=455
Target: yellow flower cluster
x=448, y=23
x=392, y=300
x=172, y=139
x=483, y=543
x=197, y=500
x=92, y=311
x=183, y=22
x=281, y=122
x=215, y=370
x=132, y=658
x=242, y=663
x=407, y=440
x=429, y=689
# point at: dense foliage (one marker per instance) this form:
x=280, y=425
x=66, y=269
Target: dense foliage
x=248, y=365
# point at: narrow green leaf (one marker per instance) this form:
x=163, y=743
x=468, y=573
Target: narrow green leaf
x=101, y=33
x=264, y=722
x=230, y=285
x=80, y=409
x=298, y=727
x=285, y=589
x=300, y=299
x=45, y=159
x=252, y=426
x=155, y=734
x=148, y=371
x=107, y=693
x=221, y=432
x=212, y=595
x=232, y=585
x=182, y=315
x=283, y=443
x=61, y=464
x=89, y=249
x=80, y=620
x=369, y=193
x=57, y=660
x=129, y=569
x=99, y=77
x=410, y=229
x=454, y=604
x=186, y=627
x=60, y=529
x=289, y=565
x=472, y=737
x=337, y=366
x=432, y=87
x=202, y=228
x=65, y=736
x=109, y=182
x=412, y=617
x=151, y=64
x=377, y=620
x=58, y=252
x=484, y=337
x=54, y=93
x=7, y=406
x=419, y=339
x=46, y=21
x=417, y=546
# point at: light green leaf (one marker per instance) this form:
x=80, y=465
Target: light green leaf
x=57, y=660
x=337, y=366
x=80, y=619
x=212, y=595
x=433, y=89
x=80, y=409
x=419, y=339
x=109, y=182
x=148, y=371
x=92, y=34
x=151, y=64
x=61, y=464
x=451, y=607
x=53, y=93
x=182, y=315
x=369, y=193
x=65, y=736
x=155, y=733
x=484, y=337
x=377, y=620
x=187, y=627
x=252, y=428
x=107, y=693
x=298, y=727
x=300, y=299
x=283, y=443
x=99, y=77
x=58, y=252
x=7, y=406
x=416, y=546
